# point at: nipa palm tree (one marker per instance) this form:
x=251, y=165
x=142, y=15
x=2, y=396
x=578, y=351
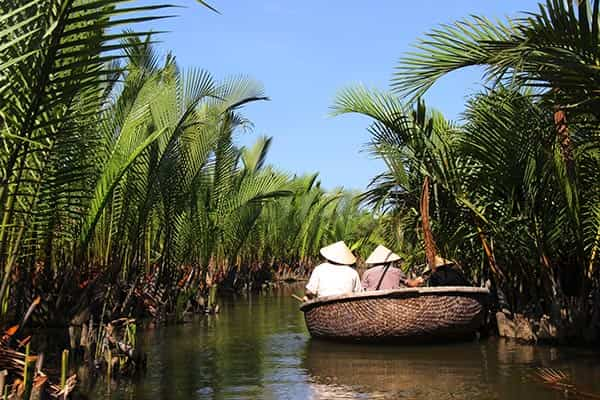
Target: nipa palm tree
x=554, y=52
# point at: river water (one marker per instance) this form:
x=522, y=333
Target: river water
x=258, y=348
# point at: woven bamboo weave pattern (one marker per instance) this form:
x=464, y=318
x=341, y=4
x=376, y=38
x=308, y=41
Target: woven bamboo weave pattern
x=398, y=315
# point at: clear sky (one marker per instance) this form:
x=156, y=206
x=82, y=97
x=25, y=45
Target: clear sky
x=304, y=52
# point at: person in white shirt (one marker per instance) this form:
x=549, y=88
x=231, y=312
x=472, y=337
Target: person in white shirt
x=335, y=276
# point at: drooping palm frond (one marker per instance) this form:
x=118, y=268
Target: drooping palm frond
x=449, y=48
x=499, y=174
x=55, y=65
x=120, y=168
x=554, y=49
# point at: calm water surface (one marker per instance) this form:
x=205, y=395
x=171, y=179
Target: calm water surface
x=258, y=348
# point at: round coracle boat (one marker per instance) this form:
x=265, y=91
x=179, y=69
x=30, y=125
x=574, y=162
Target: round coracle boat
x=401, y=315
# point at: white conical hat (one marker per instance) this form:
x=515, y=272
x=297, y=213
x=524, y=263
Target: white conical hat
x=338, y=253
x=382, y=255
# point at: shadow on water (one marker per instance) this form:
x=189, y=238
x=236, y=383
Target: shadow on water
x=258, y=347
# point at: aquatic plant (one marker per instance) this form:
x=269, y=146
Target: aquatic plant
x=123, y=190
x=514, y=194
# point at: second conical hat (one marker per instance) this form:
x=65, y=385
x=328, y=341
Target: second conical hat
x=382, y=255
x=338, y=253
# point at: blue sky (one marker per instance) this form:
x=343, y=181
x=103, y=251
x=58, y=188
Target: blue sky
x=304, y=52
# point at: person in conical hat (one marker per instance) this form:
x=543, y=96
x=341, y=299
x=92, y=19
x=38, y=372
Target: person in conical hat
x=335, y=276
x=437, y=262
x=441, y=261
x=446, y=273
x=383, y=275
x=338, y=253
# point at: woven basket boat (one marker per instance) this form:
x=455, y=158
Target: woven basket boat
x=401, y=316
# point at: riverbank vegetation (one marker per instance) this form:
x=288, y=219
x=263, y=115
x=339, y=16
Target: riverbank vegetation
x=123, y=186
x=124, y=190
x=511, y=191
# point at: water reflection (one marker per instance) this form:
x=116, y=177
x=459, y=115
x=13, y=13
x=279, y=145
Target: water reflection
x=384, y=372
x=258, y=348
x=493, y=369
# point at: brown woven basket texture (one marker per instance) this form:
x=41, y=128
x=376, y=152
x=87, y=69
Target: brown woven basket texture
x=426, y=317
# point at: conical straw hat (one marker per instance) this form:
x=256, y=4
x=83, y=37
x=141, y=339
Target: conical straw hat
x=438, y=262
x=382, y=255
x=338, y=253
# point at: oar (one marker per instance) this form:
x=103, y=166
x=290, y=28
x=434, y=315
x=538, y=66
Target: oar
x=300, y=299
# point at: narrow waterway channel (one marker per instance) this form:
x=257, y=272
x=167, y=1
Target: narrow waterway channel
x=258, y=348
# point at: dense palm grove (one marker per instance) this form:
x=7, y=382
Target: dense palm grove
x=514, y=193
x=124, y=189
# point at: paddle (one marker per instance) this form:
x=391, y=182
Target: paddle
x=300, y=299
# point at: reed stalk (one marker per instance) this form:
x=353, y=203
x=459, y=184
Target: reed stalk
x=28, y=374
x=64, y=368
x=25, y=367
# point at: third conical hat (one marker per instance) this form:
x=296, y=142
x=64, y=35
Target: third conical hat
x=382, y=255
x=338, y=253
x=439, y=261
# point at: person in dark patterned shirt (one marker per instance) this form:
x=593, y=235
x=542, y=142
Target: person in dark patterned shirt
x=446, y=273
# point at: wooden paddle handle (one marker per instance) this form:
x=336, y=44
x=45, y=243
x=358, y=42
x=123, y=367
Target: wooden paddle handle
x=300, y=299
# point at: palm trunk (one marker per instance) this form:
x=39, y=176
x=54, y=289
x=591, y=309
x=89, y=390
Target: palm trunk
x=490, y=256
x=571, y=192
x=430, y=248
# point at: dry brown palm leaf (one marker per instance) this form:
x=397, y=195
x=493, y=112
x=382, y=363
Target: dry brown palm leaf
x=22, y=343
x=57, y=392
x=559, y=380
x=36, y=302
x=14, y=361
x=553, y=376
x=10, y=332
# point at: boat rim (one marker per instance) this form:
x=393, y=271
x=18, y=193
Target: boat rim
x=403, y=292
